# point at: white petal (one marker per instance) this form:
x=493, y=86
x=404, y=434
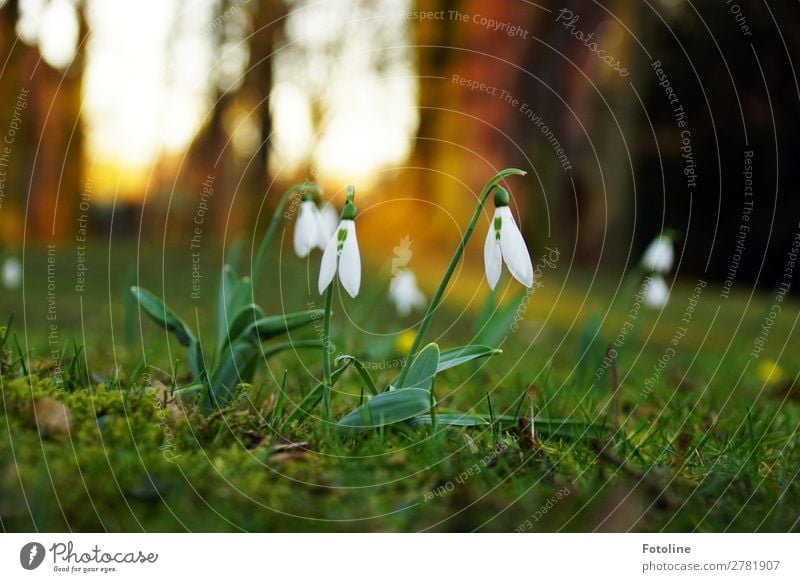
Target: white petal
x=492, y=257
x=418, y=300
x=327, y=268
x=403, y=306
x=306, y=229
x=328, y=219
x=350, y=260
x=512, y=245
x=656, y=292
x=659, y=255
x=405, y=294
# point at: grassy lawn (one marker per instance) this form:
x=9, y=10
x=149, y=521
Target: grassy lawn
x=680, y=430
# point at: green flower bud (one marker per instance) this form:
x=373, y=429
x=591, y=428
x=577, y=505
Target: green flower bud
x=500, y=197
x=349, y=210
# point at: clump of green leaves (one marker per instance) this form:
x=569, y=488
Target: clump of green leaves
x=242, y=328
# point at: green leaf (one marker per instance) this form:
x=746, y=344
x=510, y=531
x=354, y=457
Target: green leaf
x=292, y=345
x=451, y=419
x=190, y=392
x=589, y=347
x=234, y=367
x=235, y=297
x=274, y=325
x=313, y=398
x=241, y=295
x=159, y=313
x=245, y=316
x=387, y=408
x=457, y=356
x=497, y=326
x=197, y=362
x=227, y=283
x=362, y=371
x=277, y=412
x=423, y=369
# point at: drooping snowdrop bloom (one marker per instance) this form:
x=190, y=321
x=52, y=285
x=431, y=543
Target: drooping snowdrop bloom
x=659, y=255
x=308, y=233
x=12, y=273
x=405, y=294
x=656, y=292
x=341, y=252
x=328, y=219
x=504, y=244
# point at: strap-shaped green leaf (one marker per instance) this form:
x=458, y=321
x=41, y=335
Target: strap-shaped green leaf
x=163, y=316
x=451, y=419
x=235, y=363
x=422, y=370
x=387, y=408
x=227, y=282
x=197, y=362
x=241, y=295
x=313, y=398
x=275, y=325
x=457, y=356
x=246, y=315
x=237, y=295
x=290, y=345
x=366, y=377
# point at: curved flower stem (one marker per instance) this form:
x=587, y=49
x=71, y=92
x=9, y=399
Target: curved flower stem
x=273, y=225
x=437, y=298
x=326, y=354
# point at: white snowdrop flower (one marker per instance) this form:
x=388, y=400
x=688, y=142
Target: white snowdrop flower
x=504, y=244
x=12, y=273
x=656, y=292
x=307, y=231
x=659, y=255
x=328, y=219
x=341, y=253
x=405, y=294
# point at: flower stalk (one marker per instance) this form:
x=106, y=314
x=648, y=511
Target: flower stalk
x=326, y=354
x=341, y=255
x=305, y=187
x=437, y=297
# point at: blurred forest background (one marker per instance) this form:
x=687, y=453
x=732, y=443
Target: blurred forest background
x=130, y=106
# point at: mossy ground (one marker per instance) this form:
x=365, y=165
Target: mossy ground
x=712, y=447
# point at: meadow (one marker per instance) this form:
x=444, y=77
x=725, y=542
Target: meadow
x=603, y=415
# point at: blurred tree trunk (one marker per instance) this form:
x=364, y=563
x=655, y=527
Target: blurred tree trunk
x=46, y=153
x=11, y=203
x=239, y=182
x=468, y=134
x=592, y=202
x=258, y=84
x=465, y=136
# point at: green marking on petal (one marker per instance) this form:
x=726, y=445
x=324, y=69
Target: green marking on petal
x=498, y=223
x=341, y=236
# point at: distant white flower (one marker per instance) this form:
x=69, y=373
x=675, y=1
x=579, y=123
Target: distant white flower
x=328, y=218
x=659, y=255
x=12, y=273
x=308, y=233
x=342, y=254
x=656, y=292
x=405, y=294
x=504, y=243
